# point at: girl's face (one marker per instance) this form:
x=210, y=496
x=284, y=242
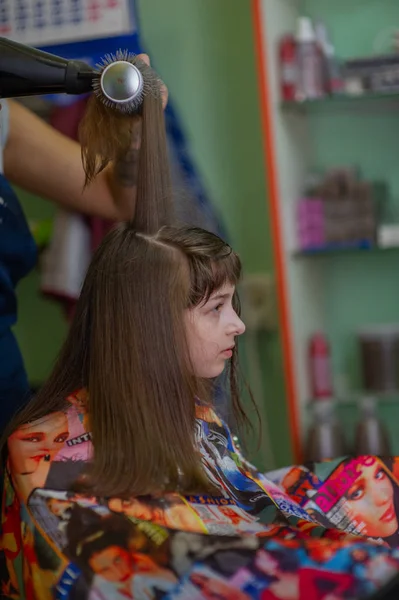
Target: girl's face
x=211, y=329
x=113, y=564
x=59, y=507
x=370, y=501
x=35, y=442
x=131, y=508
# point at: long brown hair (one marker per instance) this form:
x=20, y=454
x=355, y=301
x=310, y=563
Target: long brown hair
x=127, y=345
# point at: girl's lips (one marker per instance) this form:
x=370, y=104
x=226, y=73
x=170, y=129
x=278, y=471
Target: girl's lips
x=388, y=515
x=38, y=457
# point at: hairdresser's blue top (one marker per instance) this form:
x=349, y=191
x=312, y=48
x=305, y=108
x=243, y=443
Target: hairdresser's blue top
x=17, y=258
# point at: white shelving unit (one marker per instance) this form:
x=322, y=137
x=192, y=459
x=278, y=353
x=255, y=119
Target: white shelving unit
x=305, y=284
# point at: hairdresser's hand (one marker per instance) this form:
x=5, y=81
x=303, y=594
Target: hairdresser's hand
x=164, y=90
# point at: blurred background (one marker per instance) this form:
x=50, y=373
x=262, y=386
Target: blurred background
x=283, y=129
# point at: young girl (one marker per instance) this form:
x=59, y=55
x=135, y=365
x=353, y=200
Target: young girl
x=157, y=323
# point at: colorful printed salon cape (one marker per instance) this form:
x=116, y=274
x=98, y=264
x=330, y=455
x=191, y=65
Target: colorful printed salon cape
x=320, y=532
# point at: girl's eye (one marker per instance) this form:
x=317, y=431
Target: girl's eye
x=32, y=438
x=356, y=494
x=218, y=308
x=380, y=474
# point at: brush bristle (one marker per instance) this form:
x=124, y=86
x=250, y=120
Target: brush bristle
x=151, y=82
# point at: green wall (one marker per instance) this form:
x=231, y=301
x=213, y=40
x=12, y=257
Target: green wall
x=205, y=53
x=41, y=327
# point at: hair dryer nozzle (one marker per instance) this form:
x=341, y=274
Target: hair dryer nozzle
x=26, y=71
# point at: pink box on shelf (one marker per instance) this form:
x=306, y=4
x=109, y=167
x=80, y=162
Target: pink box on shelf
x=310, y=223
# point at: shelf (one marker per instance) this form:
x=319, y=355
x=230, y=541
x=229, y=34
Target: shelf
x=342, y=100
x=353, y=400
x=336, y=249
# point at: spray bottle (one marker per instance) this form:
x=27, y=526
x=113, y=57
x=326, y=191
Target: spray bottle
x=310, y=62
x=325, y=438
x=371, y=435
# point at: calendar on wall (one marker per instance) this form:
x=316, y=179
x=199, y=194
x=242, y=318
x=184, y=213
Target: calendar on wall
x=45, y=22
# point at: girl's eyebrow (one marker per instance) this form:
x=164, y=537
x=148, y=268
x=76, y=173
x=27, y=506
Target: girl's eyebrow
x=358, y=483
x=220, y=297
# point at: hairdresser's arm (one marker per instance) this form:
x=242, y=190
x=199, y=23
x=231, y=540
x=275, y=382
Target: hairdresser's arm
x=41, y=160
x=44, y=162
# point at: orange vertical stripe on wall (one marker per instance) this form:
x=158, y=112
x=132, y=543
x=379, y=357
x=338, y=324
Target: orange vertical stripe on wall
x=276, y=229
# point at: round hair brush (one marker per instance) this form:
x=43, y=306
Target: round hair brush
x=121, y=81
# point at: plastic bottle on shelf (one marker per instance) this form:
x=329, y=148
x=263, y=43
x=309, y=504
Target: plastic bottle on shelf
x=371, y=435
x=309, y=62
x=320, y=367
x=332, y=76
x=325, y=440
x=288, y=68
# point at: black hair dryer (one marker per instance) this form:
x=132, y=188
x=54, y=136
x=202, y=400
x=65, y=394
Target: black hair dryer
x=26, y=71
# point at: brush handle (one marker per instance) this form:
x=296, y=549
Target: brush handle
x=26, y=71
